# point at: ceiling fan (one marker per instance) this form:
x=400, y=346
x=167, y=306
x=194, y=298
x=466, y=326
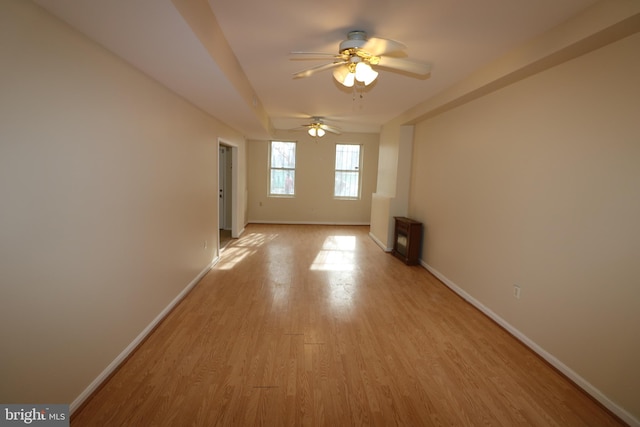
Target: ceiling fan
x=358, y=55
x=317, y=128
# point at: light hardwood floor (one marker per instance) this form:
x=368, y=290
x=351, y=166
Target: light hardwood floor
x=316, y=325
x=225, y=238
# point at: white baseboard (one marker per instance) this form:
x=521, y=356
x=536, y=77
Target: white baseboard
x=239, y=233
x=568, y=372
x=307, y=222
x=134, y=344
x=380, y=243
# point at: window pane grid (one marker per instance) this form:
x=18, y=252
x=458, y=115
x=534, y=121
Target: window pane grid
x=347, y=173
x=347, y=157
x=282, y=164
x=283, y=154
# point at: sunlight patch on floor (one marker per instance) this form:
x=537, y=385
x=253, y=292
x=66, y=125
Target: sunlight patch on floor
x=343, y=286
x=240, y=249
x=337, y=254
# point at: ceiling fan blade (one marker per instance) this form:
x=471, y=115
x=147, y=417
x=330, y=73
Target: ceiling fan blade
x=418, y=68
x=313, y=53
x=376, y=46
x=330, y=129
x=320, y=56
x=312, y=70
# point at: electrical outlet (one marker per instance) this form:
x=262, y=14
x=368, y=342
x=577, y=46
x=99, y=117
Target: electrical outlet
x=516, y=291
x=204, y=244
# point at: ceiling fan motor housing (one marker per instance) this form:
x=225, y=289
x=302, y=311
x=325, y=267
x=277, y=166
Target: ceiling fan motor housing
x=355, y=39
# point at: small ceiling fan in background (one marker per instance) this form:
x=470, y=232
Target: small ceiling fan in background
x=358, y=55
x=317, y=128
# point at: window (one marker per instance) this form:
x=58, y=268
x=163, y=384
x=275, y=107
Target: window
x=347, y=184
x=282, y=162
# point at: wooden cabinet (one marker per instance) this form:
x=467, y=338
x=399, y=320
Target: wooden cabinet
x=407, y=239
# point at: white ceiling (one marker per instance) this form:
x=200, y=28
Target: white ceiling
x=455, y=36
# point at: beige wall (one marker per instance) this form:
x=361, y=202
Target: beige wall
x=388, y=160
x=314, y=202
x=108, y=189
x=598, y=25
x=538, y=184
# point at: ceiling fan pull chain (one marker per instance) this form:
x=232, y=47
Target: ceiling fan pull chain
x=357, y=94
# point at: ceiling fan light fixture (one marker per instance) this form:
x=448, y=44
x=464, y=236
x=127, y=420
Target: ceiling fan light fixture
x=316, y=131
x=344, y=76
x=349, y=80
x=365, y=74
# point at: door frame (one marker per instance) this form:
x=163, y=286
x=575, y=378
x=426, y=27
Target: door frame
x=222, y=186
x=235, y=200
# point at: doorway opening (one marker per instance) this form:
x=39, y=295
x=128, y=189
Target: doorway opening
x=227, y=193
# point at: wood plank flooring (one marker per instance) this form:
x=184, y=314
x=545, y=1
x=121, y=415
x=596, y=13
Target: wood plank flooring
x=316, y=325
